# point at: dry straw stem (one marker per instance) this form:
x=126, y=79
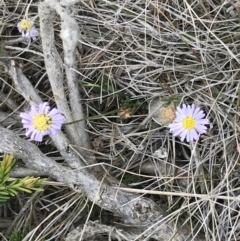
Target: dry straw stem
x=183, y=194
x=5, y=99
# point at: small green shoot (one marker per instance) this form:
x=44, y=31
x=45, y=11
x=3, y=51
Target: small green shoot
x=9, y=188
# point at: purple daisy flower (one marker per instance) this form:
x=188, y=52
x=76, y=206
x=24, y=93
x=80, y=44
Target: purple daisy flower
x=189, y=123
x=27, y=29
x=41, y=121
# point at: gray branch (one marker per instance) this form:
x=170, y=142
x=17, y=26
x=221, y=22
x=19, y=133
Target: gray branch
x=25, y=88
x=123, y=204
x=23, y=172
x=70, y=36
x=133, y=208
x=54, y=67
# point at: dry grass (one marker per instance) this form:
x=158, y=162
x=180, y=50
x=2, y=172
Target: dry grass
x=130, y=52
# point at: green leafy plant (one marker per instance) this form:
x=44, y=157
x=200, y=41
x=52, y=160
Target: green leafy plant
x=17, y=235
x=10, y=188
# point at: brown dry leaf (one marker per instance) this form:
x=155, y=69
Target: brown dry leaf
x=97, y=144
x=168, y=114
x=124, y=113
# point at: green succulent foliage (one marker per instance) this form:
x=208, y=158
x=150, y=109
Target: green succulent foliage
x=10, y=189
x=17, y=235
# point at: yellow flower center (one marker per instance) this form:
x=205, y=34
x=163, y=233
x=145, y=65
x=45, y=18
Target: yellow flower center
x=189, y=123
x=42, y=122
x=26, y=25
